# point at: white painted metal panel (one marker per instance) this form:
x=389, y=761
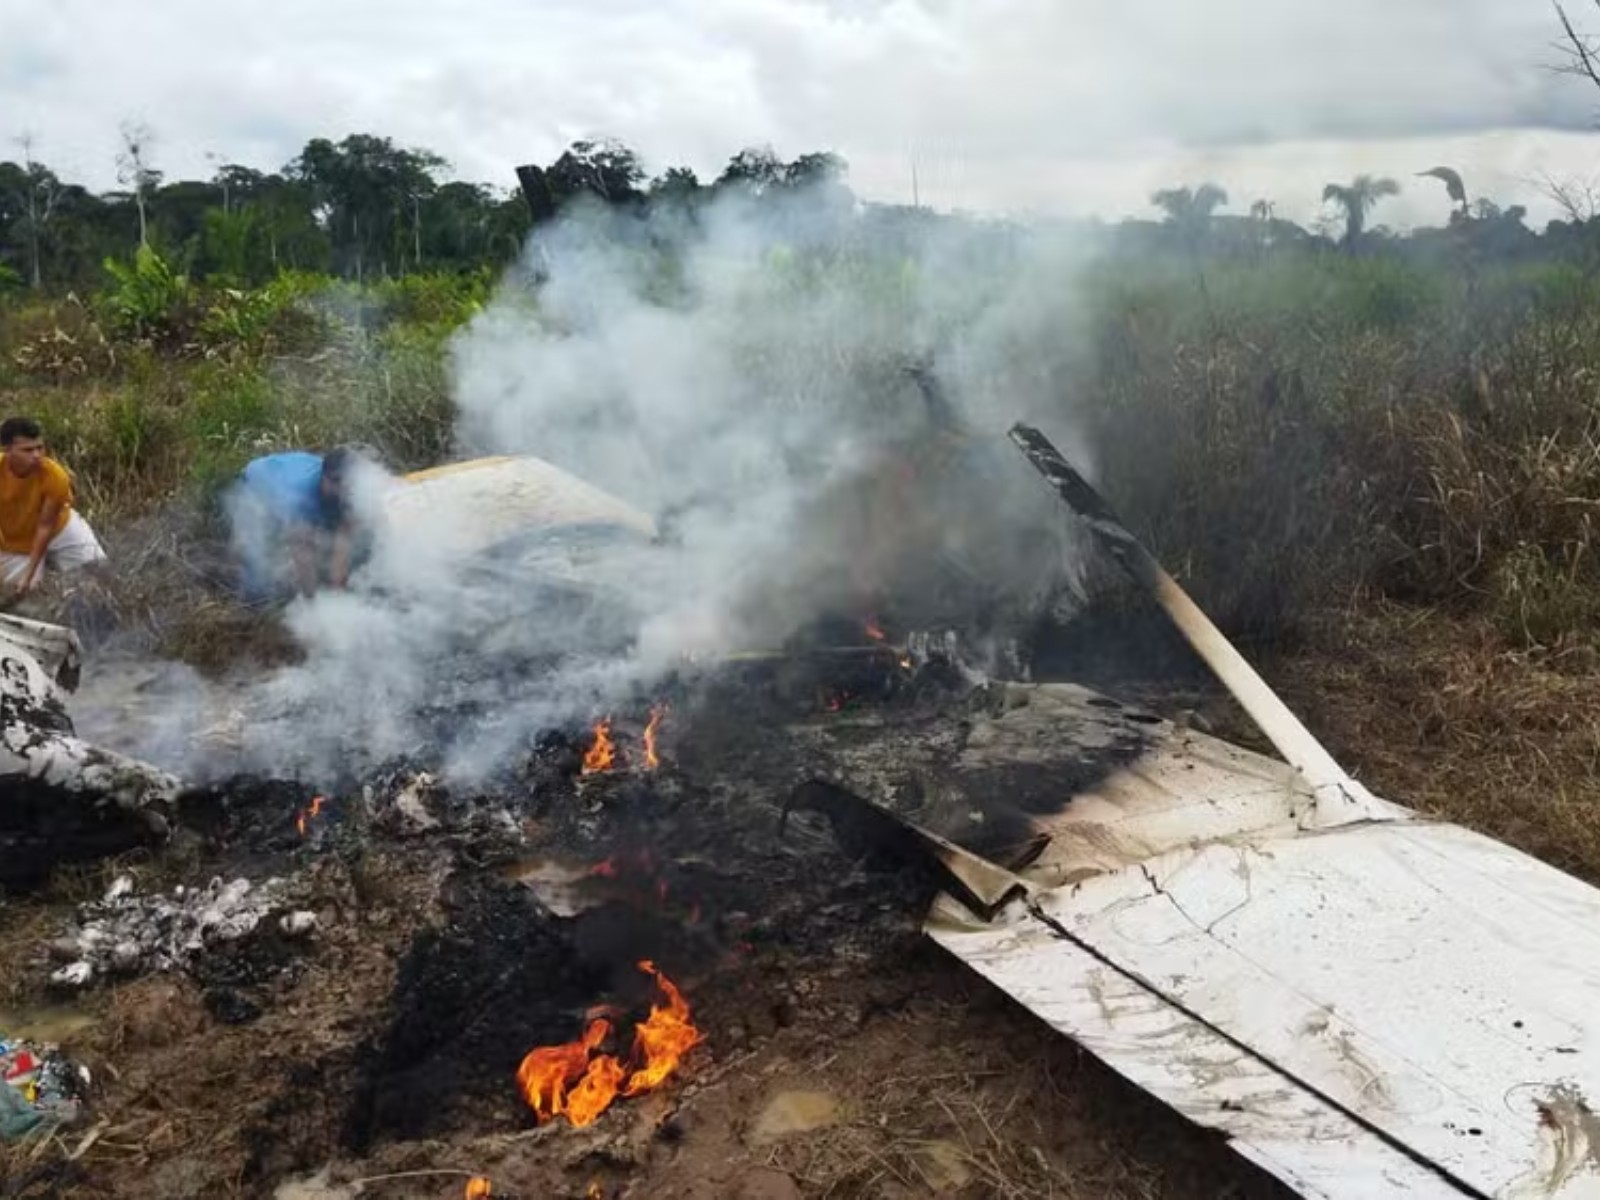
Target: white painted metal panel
x=1311, y=1145
x=486, y=501
x=1417, y=975
x=1384, y=1008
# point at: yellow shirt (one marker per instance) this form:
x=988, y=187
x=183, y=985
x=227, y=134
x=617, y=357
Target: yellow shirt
x=22, y=500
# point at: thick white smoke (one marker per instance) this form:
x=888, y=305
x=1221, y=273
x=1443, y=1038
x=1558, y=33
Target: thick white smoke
x=745, y=376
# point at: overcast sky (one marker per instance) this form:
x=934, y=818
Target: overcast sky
x=1059, y=106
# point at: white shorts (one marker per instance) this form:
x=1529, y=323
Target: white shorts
x=75, y=546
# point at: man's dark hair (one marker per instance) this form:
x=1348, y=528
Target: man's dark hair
x=335, y=461
x=13, y=428
x=336, y=464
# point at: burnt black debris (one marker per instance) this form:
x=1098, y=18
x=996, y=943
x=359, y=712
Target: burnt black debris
x=499, y=977
x=693, y=867
x=538, y=892
x=39, y=832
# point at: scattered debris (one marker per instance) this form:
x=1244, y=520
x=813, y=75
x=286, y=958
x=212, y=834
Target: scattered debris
x=66, y=800
x=298, y=924
x=127, y=934
x=43, y=1089
x=411, y=804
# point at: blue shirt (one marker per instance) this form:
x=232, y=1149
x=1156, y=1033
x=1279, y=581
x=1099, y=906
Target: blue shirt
x=289, y=485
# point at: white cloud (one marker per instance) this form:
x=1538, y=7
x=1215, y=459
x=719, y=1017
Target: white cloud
x=1008, y=104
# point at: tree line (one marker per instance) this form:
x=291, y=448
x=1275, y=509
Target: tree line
x=360, y=208
x=365, y=208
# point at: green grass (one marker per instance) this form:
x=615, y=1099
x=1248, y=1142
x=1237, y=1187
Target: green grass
x=1287, y=431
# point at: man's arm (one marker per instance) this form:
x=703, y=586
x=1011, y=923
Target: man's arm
x=43, y=535
x=339, y=560
x=302, y=541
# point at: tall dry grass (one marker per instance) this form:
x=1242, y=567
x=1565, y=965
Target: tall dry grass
x=1397, y=438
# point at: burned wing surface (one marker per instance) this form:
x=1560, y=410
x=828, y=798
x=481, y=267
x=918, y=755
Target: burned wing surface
x=491, y=502
x=1348, y=992
x=525, y=533
x=62, y=799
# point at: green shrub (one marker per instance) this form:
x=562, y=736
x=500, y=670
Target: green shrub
x=146, y=299
x=446, y=300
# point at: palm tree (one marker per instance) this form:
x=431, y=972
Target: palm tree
x=1189, y=209
x=1452, y=182
x=1357, y=199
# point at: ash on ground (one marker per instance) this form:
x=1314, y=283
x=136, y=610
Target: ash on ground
x=408, y=941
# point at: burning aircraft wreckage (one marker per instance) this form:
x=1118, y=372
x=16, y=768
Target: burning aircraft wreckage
x=1362, y=1001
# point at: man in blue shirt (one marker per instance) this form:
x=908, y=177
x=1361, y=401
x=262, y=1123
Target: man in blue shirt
x=293, y=527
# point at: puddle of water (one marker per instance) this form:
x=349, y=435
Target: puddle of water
x=44, y=1023
x=796, y=1112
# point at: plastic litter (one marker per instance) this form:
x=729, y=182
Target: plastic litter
x=41, y=1088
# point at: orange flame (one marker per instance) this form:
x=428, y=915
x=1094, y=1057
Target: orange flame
x=594, y=1192
x=306, y=815
x=602, y=756
x=479, y=1188
x=651, y=759
x=664, y=1038
x=572, y=1079
x=595, y=1091
x=875, y=631
x=546, y=1073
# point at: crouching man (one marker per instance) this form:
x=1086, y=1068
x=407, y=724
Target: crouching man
x=295, y=528
x=38, y=525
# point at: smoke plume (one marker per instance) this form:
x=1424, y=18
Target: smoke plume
x=809, y=398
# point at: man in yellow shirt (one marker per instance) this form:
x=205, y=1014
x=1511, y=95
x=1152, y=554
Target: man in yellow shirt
x=37, y=521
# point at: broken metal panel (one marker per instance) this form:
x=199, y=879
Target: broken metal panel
x=1339, y=798
x=53, y=648
x=1186, y=787
x=1408, y=1007
x=1212, y=1080
x=1412, y=974
x=494, y=500
x=84, y=788
x=1368, y=1003
x=978, y=884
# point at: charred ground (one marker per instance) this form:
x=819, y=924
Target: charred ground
x=458, y=929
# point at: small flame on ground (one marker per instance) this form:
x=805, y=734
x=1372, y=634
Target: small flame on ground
x=573, y=1080
x=651, y=759
x=602, y=755
x=594, y=1193
x=595, y=1091
x=548, y=1072
x=479, y=1187
x=305, y=816
x=625, y=865
x=664, y=1038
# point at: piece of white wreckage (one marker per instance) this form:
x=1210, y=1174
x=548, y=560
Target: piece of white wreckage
x=1366, y=1001
x=82, y=787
